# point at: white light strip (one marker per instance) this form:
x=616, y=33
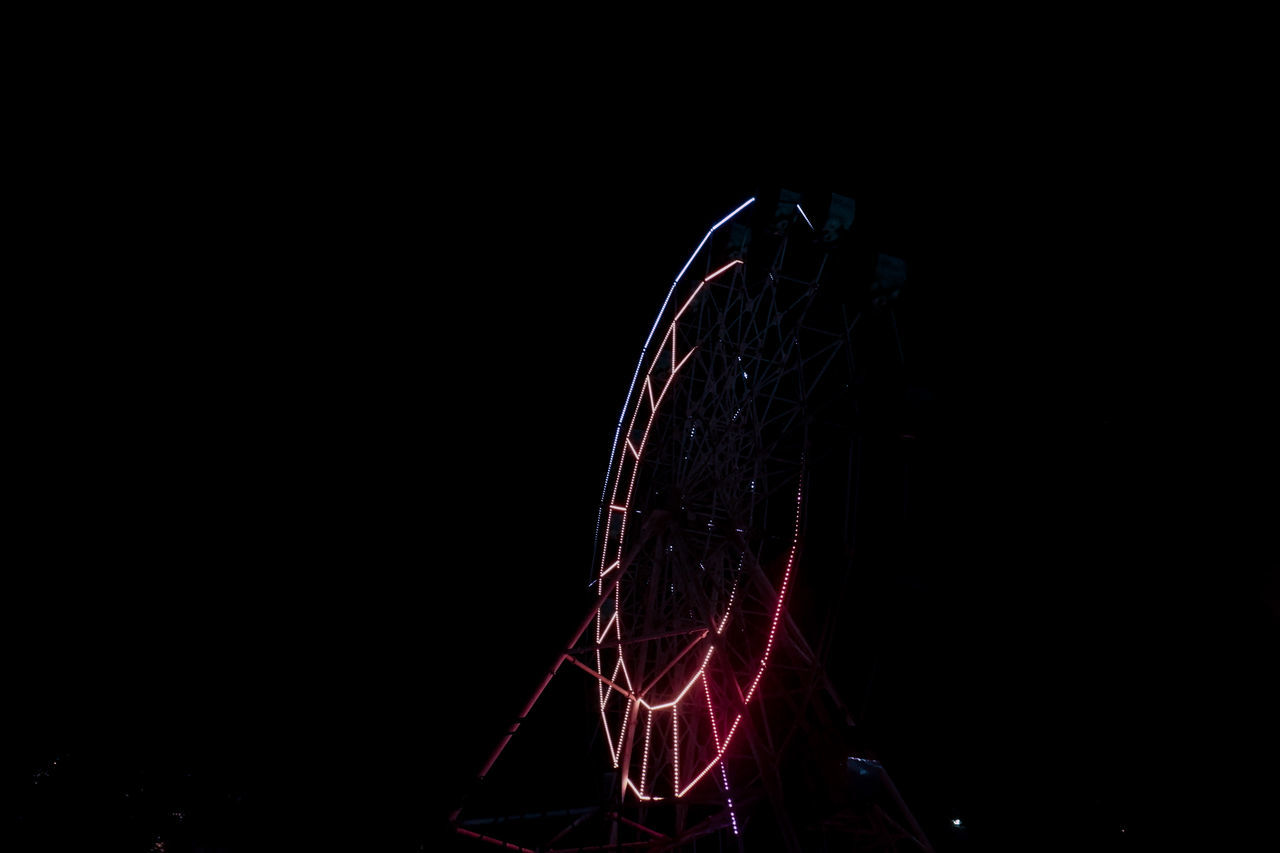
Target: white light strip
x=683, y=269
x=622, y=732
x=719, y=755
x=632, y=387
x=811, y=228
x=607, y=625
x=675, y=748
x=687, y=687
x=607, y=736
x=613, y=678
x=739, y=209
x=614, y=506
x=640, y=795
x=683, y=360
x=644, y=759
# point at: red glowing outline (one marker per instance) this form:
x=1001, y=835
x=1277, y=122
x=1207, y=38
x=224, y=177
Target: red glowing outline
x=637, y=453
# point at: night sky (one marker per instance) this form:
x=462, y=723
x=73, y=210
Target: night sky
x=306, y=462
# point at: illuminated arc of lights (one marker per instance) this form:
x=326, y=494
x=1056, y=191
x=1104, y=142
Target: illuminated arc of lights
x=644, y=438
x=680, y=313
x=622, y=532
x=782, y=594
x=782, y=590
x=649, y=339
x=735, y=212
x=612, y=566
x=722, y=747
x=687, y=687
x=631, y=487
x=655, y=403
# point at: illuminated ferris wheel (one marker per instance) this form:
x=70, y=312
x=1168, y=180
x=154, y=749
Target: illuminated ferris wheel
x=689, y=644
x=700, y=526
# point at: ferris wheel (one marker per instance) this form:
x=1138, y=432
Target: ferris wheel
x=701, y=526
x=688, y=642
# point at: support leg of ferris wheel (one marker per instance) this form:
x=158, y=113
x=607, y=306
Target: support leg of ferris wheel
x=537, y=693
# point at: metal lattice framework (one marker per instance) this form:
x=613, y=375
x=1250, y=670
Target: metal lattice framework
x=702, y=526
x=698, y=544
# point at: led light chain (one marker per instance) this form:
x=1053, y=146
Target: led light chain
x=644, y=760
x=782, y=594
x=722, y=747
x=622, y=507
x=649, y=339
x=622, y=733
x=675, y=747
x=728, y=798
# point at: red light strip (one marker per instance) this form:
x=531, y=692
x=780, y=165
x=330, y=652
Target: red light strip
x=505, y=845
x=782, y=594
x=687, y=303
x=637, y=452
x=732, y=263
